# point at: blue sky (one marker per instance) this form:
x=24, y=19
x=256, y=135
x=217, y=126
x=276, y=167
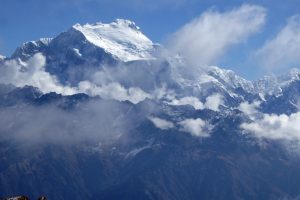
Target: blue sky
x=27, y=20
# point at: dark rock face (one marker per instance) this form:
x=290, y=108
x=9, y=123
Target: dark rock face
x=149, y=163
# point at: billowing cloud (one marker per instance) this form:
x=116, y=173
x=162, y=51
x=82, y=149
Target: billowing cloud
x=206, y=38
x=272, y=126
x=283, y=50
x=196, y=127
x=31, y=73
x=161, y=123
x=214, y=101
x=193, y=101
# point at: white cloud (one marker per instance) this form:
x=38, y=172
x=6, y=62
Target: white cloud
x=249, y=109
x=115, y=91
x=31, y=73
x=196, y=127
x=273, y=126
x=161, y=123
x=284, y=49
x=193, y=101
x=214, y=101
x=206, y=38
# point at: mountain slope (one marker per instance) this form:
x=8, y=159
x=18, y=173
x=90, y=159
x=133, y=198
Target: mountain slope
x=121, y=38
x=140, y=123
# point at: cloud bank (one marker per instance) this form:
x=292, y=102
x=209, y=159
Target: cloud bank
x=208, y=37
x=273, y=126
x=33, y=73
x=92, y=121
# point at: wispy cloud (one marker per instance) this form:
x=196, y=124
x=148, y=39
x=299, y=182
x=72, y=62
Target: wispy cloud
x=51, y=124
x=205, y=39
x=283, y=51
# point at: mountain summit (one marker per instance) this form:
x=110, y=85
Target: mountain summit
x=122, y=38
x=84, y=48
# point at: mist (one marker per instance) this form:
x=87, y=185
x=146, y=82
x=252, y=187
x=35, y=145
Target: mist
x=92, y=121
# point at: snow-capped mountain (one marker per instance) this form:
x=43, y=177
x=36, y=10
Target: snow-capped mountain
x=122, y=38
x=273, y=85
x=137, y=124
x=88, y=47
x=84, y=51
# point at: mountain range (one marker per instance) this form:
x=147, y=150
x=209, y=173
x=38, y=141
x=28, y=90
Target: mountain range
x=102, y=112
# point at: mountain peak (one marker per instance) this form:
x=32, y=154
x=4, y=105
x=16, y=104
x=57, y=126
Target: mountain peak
x=126, y=22
x=230, y=78
x=121, y=38
x=117, y=23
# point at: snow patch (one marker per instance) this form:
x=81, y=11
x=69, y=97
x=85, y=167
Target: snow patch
x=122, y=38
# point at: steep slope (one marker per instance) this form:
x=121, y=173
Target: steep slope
x=122, y=39
x=83, y=49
